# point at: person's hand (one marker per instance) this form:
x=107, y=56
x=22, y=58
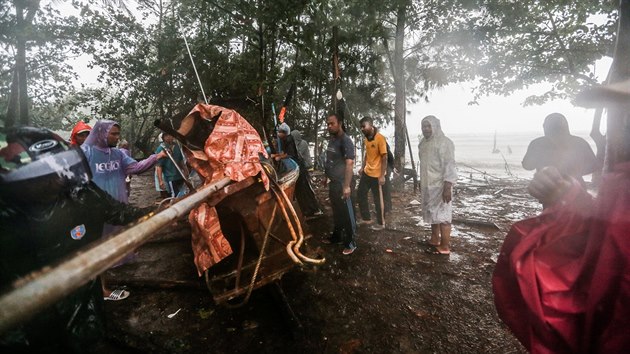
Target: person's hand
x=381, y=180
x=361, y=171
x=346, y=192
x=162, y=185
x=161, y=154
x=548, y=185
x=447, y=192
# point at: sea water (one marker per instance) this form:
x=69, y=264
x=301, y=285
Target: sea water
x=474, y=153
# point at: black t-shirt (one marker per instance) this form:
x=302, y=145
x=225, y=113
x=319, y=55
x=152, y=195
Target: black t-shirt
x=571, y=155
x=290, y=148
x=339, y=150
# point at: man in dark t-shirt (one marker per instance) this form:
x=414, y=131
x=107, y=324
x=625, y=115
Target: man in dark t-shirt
x=570, y=154
x=339, y=164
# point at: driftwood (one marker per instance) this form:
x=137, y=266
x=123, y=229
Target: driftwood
x=476, y=222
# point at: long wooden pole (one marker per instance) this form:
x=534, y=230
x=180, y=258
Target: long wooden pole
x=51, y=285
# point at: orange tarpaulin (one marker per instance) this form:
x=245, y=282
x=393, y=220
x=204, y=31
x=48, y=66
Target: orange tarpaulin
x=232, y=150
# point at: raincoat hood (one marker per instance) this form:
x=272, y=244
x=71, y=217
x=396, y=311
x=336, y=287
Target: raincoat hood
x=98, y=135
x=556, y=125
x=284, y=127
x=78, y=128
x=297, y=136
x=436, y=127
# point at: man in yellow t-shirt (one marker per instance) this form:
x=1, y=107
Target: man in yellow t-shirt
x=373, y=173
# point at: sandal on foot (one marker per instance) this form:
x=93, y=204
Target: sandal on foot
x=348, y=250
x=118, y=294
x=435, y=251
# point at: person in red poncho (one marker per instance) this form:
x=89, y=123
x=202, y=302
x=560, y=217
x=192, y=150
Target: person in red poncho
x=562, y=280
x=79, y=133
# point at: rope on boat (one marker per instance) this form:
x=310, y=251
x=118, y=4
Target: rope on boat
x=250, y=289
x=298, y=244
x=289, y=246
x=241, y=253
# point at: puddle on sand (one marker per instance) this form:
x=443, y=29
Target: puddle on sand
x=454, y=257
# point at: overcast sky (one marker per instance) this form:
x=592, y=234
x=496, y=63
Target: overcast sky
x=503, y=114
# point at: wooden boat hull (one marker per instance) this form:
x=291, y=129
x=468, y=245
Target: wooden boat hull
x=245, y=209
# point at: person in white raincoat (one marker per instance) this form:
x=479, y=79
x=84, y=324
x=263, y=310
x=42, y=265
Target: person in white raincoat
x=437, y=177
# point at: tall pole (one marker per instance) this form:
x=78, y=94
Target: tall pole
x=205, y=99
x=616, y=139
x=335, y=68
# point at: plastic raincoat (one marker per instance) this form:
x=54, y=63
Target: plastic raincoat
x=302, y=148
x=109, y=165
x=437, y=165
x=81, y=126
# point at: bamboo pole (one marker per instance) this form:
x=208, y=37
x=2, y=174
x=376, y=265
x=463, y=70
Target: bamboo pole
x=25, y=301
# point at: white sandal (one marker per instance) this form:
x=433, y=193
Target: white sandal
x=118, y=294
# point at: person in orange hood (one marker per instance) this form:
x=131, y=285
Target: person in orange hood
x=79, y=133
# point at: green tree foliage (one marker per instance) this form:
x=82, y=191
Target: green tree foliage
x=555, y=41
x=249, y=53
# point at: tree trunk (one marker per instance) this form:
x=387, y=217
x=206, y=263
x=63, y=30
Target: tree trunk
x=20, y=63
x=12, y=107
x=399, y=85
x=160, y=59
x=133, y=133
x=618, y=124
x=317, y=104
x=335, y=67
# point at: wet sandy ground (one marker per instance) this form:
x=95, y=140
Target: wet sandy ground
x=388, y=297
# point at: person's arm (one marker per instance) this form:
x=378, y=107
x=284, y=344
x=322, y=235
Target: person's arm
x=530, y=159
x=348, y=155
x=450, y=171
x=133, y=167
x=347, y=178
x=160, y=176
x=549, y=185
x=280, y=156
x=381, y=177
x=363, y=162
x=382, y=148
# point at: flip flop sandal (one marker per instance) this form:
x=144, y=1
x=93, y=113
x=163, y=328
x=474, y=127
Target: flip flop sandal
x=435, y=251
x=116, y=295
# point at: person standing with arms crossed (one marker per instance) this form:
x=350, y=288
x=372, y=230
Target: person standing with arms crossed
x=339, y=164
